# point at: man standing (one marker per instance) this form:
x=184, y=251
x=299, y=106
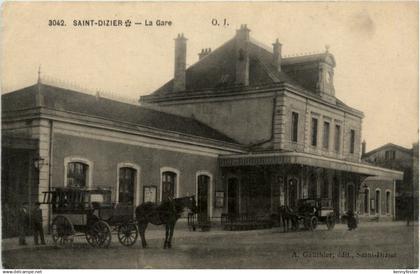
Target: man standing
x=37, y=224
x=23, y=221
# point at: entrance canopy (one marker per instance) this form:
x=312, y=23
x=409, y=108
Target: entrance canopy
x=278, y=158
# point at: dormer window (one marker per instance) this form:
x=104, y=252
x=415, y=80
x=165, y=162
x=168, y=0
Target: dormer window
x=329, y=77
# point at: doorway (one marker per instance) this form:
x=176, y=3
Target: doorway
x=292, y=193
x=336, y=196
x=233, y=196
x=203, y=185
x=350, y=197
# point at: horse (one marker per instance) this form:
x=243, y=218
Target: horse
x=167, y=213
x=288, y=216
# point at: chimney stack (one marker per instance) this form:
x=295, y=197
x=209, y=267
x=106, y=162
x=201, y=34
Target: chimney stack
x=363, y=148
x=242, y=56
x=204, y=53
x=180, y=62
x=277, y=55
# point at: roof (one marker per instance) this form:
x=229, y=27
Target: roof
x=387, y=146
x=217, y=69
x=73, y=101
x=216, y=72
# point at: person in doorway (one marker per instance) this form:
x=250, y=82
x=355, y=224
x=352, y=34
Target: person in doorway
x=23, y=222
x=37, y=224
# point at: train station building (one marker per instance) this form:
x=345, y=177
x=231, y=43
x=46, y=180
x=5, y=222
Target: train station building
x=244, y=128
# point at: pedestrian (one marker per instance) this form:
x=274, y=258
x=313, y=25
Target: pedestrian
x=351, y=220
x=37, y=224
x=23, y=222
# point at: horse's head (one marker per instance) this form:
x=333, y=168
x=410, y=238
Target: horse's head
x=188, y=202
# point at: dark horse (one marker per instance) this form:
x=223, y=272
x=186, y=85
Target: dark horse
x=167, y=213
x=288, y=217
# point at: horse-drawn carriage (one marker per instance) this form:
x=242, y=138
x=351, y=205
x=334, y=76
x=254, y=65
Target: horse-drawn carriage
x=79, y=211
x=309, y=212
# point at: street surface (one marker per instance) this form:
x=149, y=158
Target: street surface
x=372, y=245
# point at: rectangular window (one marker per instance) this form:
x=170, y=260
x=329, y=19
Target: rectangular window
x=326, y=135
x=295, y=124
x=337, y=138
x=314, y=132
x=352, y=140
x=390, y=155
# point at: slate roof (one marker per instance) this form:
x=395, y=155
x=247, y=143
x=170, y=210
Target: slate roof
x=217, y=69
x=72, y=101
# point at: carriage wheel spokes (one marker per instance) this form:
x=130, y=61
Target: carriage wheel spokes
x=62, y=230
x=313, y=223
x=127, y=234
x=99, y=235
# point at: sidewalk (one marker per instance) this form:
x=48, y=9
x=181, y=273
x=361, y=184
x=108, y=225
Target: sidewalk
x=157, y=233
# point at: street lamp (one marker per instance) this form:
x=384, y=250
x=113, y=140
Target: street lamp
x=39, y=162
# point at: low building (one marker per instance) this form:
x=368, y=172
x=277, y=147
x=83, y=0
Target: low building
x=244, y=129
x=406, y=190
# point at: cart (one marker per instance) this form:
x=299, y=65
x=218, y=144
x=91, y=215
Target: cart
x=311, y=212
x=89, y=212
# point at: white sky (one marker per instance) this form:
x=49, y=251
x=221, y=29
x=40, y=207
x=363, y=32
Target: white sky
x=375, y=45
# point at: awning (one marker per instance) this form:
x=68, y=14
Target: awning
x=278, y=158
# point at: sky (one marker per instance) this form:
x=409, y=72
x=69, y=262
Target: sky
x=375, y=45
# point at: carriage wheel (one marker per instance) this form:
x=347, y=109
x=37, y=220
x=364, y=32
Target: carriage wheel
x=313, y=223
x=330, y=221
x=62, y=230
x=127, y=234
x=99, y=234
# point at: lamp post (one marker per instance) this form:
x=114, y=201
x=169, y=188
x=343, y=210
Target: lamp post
x=38, y=162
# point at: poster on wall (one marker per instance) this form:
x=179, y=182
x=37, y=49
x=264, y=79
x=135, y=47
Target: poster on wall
x=149, y=194
x=220, y=199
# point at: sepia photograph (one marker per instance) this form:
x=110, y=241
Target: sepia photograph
x=209, y=135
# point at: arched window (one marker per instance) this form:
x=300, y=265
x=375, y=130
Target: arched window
x=366, y=201
x=168, y=184
x=378, y=201
x=126, y=186
x=388, y=202
x=77, y=174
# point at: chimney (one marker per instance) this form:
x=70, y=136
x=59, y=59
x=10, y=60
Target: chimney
x=242, y=56
x=363, y=148
x=277, y=55
x=180, y=62
x=204, y=53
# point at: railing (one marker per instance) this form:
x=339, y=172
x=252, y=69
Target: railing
x=201, y=221
x=245, y=222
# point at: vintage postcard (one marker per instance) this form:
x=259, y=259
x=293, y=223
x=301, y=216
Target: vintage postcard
x=209, y=135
